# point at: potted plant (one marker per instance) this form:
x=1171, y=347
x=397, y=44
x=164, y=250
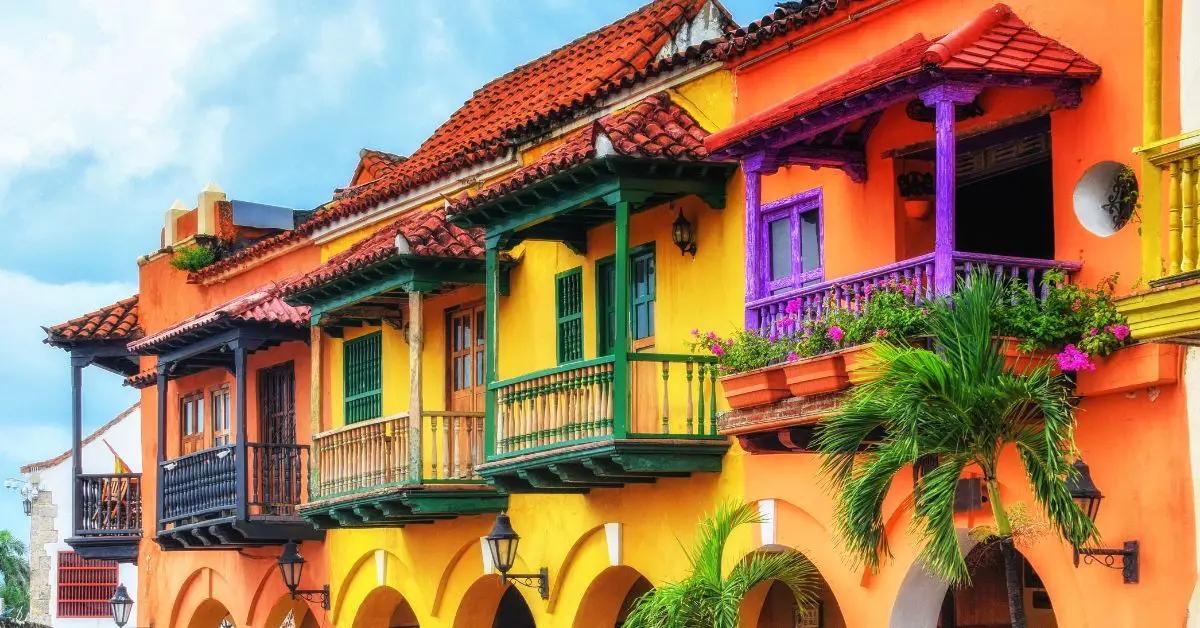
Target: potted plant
x=751, y=364
x=916, y=188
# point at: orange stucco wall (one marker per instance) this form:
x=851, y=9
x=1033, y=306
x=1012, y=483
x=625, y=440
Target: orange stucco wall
x=186, y=588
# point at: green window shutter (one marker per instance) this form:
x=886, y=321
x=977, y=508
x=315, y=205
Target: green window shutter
x=568, y=298
x=363, y=377
x=641, y=293
x=605, y=307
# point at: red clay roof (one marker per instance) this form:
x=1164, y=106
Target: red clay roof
x=142, y=379
x=528, y=98
x=66, y=455
x=260, y=306
x=655, y=128
x=373, y=164
x=427, y=233
x=118, y=321
x=995, y=42
x=787, y=17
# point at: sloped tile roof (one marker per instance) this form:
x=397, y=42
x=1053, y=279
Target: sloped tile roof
x=142, y=379
x=655, y=128
x=996, y=41
x=426, y=232
x=786, y=18
x=260, y=306
x=529, y=98
x=118, y=321
x=373, y=164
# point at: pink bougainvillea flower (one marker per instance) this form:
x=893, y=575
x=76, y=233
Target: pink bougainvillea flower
x=793, y=356
x=1093, y=332
x=836, y=334
x=792, y=306
x=695, y=332
x=717, y=350
x=881, y=333
x=1120, y=332
x=1073, y=359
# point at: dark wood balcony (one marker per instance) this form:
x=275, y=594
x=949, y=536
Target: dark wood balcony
x=211, y=500
x=108, y=519
x=383, y=473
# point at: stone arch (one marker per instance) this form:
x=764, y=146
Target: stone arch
x=771, y=603
x=369, y=560
x=609, y=597
x=795, y=528
x=484, y=599
x=209, y=614
x=302, y=613
x=568, y=561
x=272, y=597
x=385, y=607
x=195, y=591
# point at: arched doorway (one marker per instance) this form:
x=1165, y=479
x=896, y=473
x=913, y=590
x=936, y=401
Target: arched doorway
x=385, y=607
x=610, y=597
x=984, y=604
x=772, y=605
x=289, y=613
x=513, y=612
x=211, y=614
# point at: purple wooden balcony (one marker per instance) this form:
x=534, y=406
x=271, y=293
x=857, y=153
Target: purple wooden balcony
x=848, y=292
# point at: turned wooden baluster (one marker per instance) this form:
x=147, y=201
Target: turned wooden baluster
x=700, y=394
x=690, y=407
x=666, y=402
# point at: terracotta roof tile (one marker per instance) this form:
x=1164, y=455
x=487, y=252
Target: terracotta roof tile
x=118, y=321
x=506, y=110
x=654, y=128
x=965, y=50
x=786, y=18
x=260, y=306
x=373, y=164
x=142, y=379
x=426, y=232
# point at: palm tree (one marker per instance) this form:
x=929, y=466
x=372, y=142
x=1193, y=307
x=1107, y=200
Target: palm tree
x=14, y=571
x=708, y=599
x=960, y=404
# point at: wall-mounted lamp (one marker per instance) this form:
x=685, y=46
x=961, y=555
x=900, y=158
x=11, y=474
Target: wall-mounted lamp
x=502, y=543
x=683, y=235
x=122, y=605
x=27, y=489
x=291, y=566
x=1088, y=496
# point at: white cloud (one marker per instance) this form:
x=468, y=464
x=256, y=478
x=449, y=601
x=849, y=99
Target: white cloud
x=114, y=82
x=341, y=44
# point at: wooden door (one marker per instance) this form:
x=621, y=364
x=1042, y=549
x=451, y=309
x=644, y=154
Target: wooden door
x=277, y=405
x=277, y=472
x=465, y=346
x=192, y=434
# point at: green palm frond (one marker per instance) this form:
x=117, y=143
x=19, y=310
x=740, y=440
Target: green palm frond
x=709, y=598
x=959, y=403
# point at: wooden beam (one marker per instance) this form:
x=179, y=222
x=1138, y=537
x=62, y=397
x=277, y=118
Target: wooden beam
x=316, y=337
x=416, y=341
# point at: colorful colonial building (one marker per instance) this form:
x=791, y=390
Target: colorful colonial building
x=502, y=322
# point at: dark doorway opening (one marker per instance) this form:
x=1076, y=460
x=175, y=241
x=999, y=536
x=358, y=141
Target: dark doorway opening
x=513, y=612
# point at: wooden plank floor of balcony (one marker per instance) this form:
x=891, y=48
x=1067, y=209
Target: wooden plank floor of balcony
x=403, y=506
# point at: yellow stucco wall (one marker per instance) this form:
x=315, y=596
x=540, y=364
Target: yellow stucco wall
x=438, y=568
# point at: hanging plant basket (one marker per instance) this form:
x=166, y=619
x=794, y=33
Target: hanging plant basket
x=918, y=208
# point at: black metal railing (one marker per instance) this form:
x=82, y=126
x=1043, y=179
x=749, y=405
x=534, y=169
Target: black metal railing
x=277, y=476
x=204, y=485
x=110, y=504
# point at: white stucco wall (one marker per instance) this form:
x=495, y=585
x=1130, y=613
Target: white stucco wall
x=1189, y=66
x=125, y=437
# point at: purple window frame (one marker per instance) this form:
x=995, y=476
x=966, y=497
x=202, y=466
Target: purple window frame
x=791, y=208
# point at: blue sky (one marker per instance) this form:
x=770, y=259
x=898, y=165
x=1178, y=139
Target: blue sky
x=113, y=110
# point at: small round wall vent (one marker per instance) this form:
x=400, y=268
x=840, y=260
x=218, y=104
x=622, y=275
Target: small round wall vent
x=1106, y=197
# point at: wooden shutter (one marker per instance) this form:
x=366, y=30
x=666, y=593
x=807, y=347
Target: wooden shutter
x=642, y=292
x=85, y=586
x=568, y=297
x=363, y=377
x=277, y=404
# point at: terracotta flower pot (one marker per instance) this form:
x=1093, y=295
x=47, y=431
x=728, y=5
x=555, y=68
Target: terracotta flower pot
x=816, y=375
x=859, y=361
x=1132, y=368
x=917, y=208
x=1021, y=362
x=755, y=388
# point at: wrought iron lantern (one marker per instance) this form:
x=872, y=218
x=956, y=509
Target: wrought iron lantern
x=683, y=234
x=27, y=506
x=502, y=544
x=291, y=567
x=1085, y=493
x=121, y=605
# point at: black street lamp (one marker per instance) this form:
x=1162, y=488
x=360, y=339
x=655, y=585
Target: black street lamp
x=1087, y=496
x=683, y=235
x=122, y=605
x=502, y=544
x=291, y=566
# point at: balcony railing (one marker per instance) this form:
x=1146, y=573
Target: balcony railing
x=850, y=292
x=204, y=485
x=1182, y=166
x=670, y=396
x=109, y=504
x=375, y=455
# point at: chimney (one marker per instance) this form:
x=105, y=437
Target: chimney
x=206, y=209
x=173, y=213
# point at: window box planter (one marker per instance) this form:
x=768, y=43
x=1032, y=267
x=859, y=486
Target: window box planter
x=816, y=375
x=755, y=388
x=1131, y=368
x=859, y=359
x=1021, y=362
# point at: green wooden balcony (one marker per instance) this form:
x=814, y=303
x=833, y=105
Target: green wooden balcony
x=382, y=472
x=604, y=422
